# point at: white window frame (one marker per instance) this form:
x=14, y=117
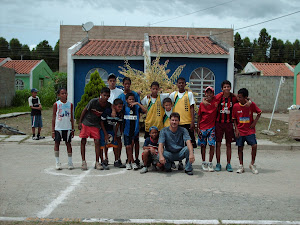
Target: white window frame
x=19, y=84
x=202, y=77
x=102, y=72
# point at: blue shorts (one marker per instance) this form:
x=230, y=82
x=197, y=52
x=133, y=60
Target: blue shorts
x=111, y=135
x=209, y=135
x=250, y=139
x=128, y=139
x=36, y=121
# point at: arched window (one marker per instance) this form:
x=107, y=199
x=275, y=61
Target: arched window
x=200, y=79
x=19, y=84
x=103, y=74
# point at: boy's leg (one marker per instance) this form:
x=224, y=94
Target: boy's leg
x=219, y=136
x=116, y=153
x=253, y=153
x=228, y=152
x=82, y=148
x=218, y=151
x=211, y=152
x=136, y=147
x=33, y=131
x=129, y=153
x=203, y=151
x=184, y=153
x=145, y=157
x=106, y=153
x=97, y=149
x=119, y=147
x=241, y=155
x=69, y=150
x=211, y=139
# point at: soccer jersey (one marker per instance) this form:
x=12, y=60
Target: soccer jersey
x=34, y=102
x=131, y=120
x=182, y=103
x=224, y=112
x=109, y=121
x=63, y=116
x=166, y=118
x=150, y=143
x=154, y=113
x=208, y=114
x=244, y=116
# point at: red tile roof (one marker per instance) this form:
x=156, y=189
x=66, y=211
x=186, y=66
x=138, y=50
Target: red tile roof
x=21, y=66
x=1, y=59
x=180, y=44
x=273, y=69
x=107, y=47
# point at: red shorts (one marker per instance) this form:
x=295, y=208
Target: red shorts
x=226, y=128
x=92, y=132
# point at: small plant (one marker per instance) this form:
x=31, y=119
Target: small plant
x=21, y=98
x=91, y=90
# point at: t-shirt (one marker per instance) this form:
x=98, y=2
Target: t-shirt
x=174, y=142
x=90, y=118
x=224, y=113
x=63, y=116
x=162, y=97
x=150, y=143
x=34, y=102
x=180, y=95
x=244, y=117
x=109, y=121
x=131, y=120
x=136, y=97
x=115, y=93
x=208, y=114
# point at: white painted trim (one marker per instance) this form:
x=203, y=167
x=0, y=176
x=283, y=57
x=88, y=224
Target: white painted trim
x=250, y=68
x=108, y=57
x=22, y=75
x=230, y=67
x=70, y=70
x=5, y=60
x=212, y=56
x=147, y=50
x=290, y=67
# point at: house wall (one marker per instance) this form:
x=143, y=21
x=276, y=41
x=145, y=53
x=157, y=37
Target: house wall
x=7, y=86
x=70, y=34
x=83, y=66
x=42, y=71
x=25, y=79
x=217, y=66
x=263, y=90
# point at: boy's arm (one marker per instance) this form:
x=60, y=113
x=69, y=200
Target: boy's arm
x=104, y=130
x=192, y=109
x=72, y=120
x=258, y=111
x=199, y=119
x=81, y=118
x=53, y=119
x=236, y=130
x=162, y=159
x=141, y=106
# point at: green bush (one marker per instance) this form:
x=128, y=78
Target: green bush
x=21, y=98
x=59, y=79
x=91, y=90
x=47, y=94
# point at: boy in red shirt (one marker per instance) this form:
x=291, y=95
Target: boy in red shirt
x=206, y=127
x=245, y=127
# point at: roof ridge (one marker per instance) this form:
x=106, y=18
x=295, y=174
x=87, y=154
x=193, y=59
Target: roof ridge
x=114, y=40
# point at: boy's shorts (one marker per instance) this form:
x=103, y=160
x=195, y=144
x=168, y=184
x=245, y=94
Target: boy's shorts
x=152, y=158
x=36, y=121
x=65, y=135
x=226, y=128
x=113, y=144
x=250, y=139
x=207, y=136
x=128, y=139
x=118, y=131
x=92, y=132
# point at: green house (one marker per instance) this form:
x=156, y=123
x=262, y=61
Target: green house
x=29, y=73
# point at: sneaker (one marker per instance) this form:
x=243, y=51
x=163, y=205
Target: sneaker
x=35, y=138
x=218, y=167
x=117, y=163
x=128, y=166
x=40, y=137
x=138, y=163
x=135, y=166
x=210, y=167
x=240, y=169
x=229, y=168
x=189, y=172
x=98, y=166
x=84, y=165
x=58, y=166
x=204, y=166
x=70, y=166
x=144, y=170
x=173, y=165
x=180, y=165
x=121, y=165
x=105, y=164
x=253, y=168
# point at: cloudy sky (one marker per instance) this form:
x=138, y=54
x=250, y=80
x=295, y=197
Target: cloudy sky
x=33, y=21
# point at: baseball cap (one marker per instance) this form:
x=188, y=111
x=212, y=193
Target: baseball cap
x=153, y=127
x=34, y=90
x=209, y=87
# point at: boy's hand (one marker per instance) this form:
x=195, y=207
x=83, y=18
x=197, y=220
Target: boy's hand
x=253, y=125
x=97, y=113
x=199, y=132
x=72, y=133
x=192, y=126
x=162, y=160
x=237, y=133
x=133, y=104
x=106, y=138
x=79, y=126
x=205, y=102
x=53, y=135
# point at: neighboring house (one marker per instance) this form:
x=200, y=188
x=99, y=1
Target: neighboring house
x=7, y=86
x=29, y=73
x=262, y=80
x=296, y=84
x=208, y=61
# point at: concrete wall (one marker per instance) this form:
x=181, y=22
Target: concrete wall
x=70, y=34
x=263, y=90
x=7, y=86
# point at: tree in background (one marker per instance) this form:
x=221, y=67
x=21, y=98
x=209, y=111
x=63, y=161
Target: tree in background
x=25, y=52
x=91, y=90
x=261, y=47
x=4, y=48
x=59, y=79
x=296, y=53
x=276, y=50
x=15, y=48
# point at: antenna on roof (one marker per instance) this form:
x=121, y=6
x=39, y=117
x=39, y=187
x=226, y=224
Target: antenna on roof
x=87, y=27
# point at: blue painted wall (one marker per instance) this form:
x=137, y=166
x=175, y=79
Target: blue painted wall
x=217, y=66
x=83, y=66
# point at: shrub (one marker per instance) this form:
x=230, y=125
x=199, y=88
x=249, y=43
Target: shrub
x=91, y=90
x=47, y=94
x=21, y=98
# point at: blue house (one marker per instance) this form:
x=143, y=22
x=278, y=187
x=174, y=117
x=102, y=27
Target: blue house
x=208, y=61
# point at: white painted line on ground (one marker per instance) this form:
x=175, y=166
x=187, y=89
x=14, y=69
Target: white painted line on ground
x=258, y=222
x=12, y=218
x=63, y=195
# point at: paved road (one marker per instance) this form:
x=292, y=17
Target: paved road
x=30, y=187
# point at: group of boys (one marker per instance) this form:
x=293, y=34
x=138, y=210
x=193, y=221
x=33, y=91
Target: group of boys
x=116, y=111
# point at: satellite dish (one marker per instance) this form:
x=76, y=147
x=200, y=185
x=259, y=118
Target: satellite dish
x=87, y=26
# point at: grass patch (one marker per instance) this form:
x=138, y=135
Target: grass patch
x=6, y=110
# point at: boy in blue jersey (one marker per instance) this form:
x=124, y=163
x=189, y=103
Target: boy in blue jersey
x=132, y=110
